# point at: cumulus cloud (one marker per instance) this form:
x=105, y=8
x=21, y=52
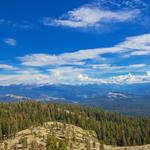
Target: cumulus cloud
x=10, y=41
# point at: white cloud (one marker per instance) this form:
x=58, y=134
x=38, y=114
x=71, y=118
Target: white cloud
x=7, y=67
x=74, y=58
x=26, y=79
x=137, y=45
x=68, y=76
x=132, y=4
x=86, y=66
x=83, y=77
x=137, y=65
x=45, y=59
x=26, y=76
x=148, y=73
x=131, y=46
x=136, y=42
x=62, y=75
x=10, y=41
x=108, y=68
x=90, y=16
x=138, y=53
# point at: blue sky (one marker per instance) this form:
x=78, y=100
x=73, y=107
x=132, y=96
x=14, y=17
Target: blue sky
x=74, y=42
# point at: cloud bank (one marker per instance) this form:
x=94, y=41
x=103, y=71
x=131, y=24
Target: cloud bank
x=91, y=66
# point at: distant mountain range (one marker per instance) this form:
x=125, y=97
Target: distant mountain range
x=130, y=99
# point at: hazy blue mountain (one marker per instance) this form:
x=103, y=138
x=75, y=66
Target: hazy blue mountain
x=132, y=99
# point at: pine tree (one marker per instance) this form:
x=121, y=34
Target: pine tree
x=51, y=143
x=62, y=145
x=101, y=146
x=1, y=135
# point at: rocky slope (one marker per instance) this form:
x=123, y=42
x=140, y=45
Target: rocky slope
x=35, y=138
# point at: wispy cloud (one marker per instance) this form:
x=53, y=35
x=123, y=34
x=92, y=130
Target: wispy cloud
x=83, y=66
x=10, y=41
x=4, y=22
x=7, y=67
x=16, y=25
x=108, y=68
x=89, y=16
x=119, y=4
x=131, y=46
x=137, y=45
x=75, y=58
x=102, y=15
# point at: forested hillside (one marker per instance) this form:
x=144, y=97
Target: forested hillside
x=111, y=128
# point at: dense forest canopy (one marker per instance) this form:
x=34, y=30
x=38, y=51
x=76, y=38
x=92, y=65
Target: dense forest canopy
x=111, y=128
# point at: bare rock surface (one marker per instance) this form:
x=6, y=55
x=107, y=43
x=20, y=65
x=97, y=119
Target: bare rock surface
x=76, y=137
